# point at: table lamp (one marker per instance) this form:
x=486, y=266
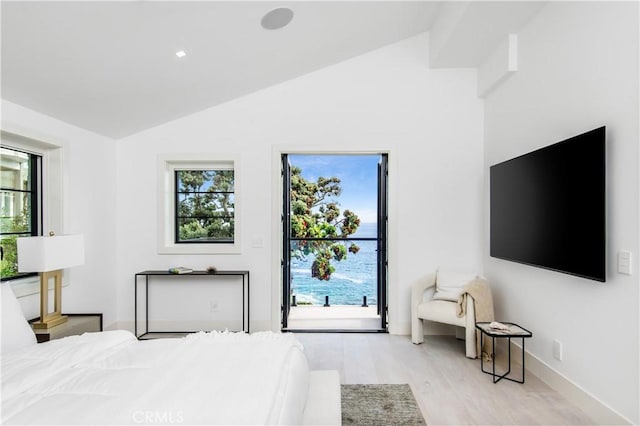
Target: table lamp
x=48, y=256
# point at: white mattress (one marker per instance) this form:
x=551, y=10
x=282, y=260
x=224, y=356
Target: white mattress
x=112, y=378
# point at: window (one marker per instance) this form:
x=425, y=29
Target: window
x=199, y=204
x=204, y=206
x=45, y=209
x=20, y=205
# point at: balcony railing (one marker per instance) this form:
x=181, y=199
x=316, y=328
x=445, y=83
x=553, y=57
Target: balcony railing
x=353, y=282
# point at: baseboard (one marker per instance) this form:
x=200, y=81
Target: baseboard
x=600, y=412
x=431, y=328
x=400, y=329
x=118, y=326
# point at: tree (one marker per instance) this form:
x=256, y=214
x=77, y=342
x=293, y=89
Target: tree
x=315, y=214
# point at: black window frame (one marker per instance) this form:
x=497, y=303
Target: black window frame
x=36, y=204
x=177, y=217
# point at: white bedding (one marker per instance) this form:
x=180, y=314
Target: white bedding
x=112, y=378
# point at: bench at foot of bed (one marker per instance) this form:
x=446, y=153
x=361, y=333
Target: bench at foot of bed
x=323, y=404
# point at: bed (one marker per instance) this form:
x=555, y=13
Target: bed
x=204, y=378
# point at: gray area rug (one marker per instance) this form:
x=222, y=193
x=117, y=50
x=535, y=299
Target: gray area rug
x=380, y=405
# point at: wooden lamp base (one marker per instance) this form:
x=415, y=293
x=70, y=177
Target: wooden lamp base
x=50, y=319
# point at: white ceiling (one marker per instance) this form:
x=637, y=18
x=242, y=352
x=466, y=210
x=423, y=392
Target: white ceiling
x=111, y=67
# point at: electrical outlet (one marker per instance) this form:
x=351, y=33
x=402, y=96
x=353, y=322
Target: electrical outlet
x=557, y=350
x=624, y=262
x=257, y=241
x=213, y=306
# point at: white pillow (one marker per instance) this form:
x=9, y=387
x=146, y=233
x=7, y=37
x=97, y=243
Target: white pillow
x=449, y=284
x=16, y=331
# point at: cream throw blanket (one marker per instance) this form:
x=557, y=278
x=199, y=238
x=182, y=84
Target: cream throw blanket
x=479, y=290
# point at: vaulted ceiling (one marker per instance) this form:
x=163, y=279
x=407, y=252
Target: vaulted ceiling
x=111, y=67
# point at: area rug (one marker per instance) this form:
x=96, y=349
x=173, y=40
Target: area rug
x=380, y=405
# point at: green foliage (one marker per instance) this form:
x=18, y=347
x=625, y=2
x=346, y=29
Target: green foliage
x=315, y=214
x=206, y=205
x=322, y=267
x=9, y=264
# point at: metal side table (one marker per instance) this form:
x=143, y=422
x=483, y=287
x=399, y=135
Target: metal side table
x=514, y=331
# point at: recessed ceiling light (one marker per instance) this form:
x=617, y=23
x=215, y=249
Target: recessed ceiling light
x=277, y=18
x=181, y=54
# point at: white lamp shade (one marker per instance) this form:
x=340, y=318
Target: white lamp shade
x=44, y=254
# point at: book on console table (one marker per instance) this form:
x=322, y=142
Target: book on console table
x=180, y=270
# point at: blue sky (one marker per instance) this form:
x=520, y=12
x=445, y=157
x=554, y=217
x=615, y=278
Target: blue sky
x=358, y=175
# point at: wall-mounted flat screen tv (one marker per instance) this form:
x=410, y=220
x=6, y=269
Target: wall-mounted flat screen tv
x=547, y=207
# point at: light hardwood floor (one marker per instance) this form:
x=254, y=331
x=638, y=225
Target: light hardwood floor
x=449, y=388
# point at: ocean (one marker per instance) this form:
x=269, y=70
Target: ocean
x=353, y=278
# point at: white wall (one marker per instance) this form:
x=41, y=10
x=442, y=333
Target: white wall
x=429, y=121
x=578, y=69
x=88, y=207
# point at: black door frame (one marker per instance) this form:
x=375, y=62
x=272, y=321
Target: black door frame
x=285, y=262
x=381, y=237
x=383, y=218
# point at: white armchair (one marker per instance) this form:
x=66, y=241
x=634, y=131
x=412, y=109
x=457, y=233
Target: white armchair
x=425, y=308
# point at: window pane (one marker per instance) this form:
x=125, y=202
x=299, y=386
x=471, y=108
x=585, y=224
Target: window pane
x=348, y=280
x=14, y=170
x=205, y=180
x=206, y=230
x=15, y=212
x=205, y=206
x=9, y=263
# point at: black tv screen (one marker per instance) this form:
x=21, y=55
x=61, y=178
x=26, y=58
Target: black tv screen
x=547, y=207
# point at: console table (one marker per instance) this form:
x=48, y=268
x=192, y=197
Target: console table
x=244, y=275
